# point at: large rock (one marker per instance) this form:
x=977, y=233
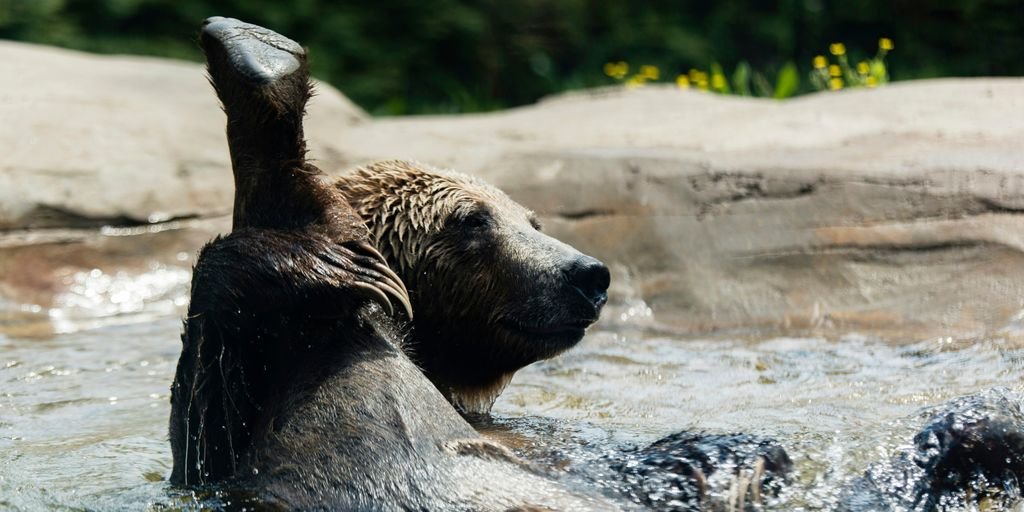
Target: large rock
x=892, y=211
x=113, y=171
x=92, y=140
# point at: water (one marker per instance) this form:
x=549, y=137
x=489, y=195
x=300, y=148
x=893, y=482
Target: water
x=83, y=413
x=837, y=406
x=83, y=417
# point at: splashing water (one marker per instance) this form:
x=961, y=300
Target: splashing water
x=83, y=414
x=95, y=298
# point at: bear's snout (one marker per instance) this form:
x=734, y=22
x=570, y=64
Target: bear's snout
x=590, y=277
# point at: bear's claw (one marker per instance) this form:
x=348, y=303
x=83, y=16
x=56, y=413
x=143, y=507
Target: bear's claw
x=383, y=284
x=260, y=55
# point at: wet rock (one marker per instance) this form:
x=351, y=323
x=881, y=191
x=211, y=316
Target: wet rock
x=62, y=280
x=93, y=140
x=894, y=211
x=969, y=455
x=113, y=172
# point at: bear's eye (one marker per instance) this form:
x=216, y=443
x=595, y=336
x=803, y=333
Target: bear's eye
x=476, y=219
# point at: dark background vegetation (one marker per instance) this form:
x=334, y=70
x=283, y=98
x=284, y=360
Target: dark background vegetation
x=425, y=56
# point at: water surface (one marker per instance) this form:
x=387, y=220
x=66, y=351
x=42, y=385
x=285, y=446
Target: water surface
x=83, y=413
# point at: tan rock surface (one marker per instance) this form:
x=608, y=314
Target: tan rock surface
x=88, y=139
x=893, y=211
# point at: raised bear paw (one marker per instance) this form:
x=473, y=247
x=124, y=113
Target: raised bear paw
x=260, y=55
x=373, y=279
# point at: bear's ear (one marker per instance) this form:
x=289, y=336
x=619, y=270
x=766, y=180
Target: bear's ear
x=534, y=220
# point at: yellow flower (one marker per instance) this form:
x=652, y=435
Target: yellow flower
x=616, y=70
x=718, y=81
x=697, y=75
x=683, y=82
x=837, y=49
x=650, y=72
x=702, y=84
x=820, y=62
x=835, y=70
x=835, y=84
x=871, y=81
x=863, y=68
x=635, y=81
x=885, y=43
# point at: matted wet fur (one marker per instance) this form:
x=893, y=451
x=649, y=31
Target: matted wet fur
x=292, y=384
x=491, y=292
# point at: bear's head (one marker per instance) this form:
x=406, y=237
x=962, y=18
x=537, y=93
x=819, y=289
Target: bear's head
x=491, y=293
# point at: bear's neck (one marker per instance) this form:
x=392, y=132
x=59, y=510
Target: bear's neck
x=469, y=378
x=475, y=400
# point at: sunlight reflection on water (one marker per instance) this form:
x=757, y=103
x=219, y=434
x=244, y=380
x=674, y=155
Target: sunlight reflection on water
x=83, y=414
x=95, y=298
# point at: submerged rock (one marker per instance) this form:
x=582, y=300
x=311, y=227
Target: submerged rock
x=969, y=454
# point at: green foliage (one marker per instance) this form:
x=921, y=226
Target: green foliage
x=741, y=79
x=428, y=56
x=787, y=80
x=787, y=83
x=718, y=82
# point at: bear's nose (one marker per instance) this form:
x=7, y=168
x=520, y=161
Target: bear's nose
x=590, y=277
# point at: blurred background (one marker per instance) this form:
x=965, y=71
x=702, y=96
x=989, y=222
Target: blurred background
x=396, y=57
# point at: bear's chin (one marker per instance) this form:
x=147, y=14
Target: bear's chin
x=544, y=341
x=476, y=401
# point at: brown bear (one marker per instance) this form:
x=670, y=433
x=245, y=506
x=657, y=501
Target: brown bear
x=293, y=386
x=491, y=293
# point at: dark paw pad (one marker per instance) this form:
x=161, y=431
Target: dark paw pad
x=258, y=54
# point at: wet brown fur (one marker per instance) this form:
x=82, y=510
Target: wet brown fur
x=292, y=388
x=474, y=262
